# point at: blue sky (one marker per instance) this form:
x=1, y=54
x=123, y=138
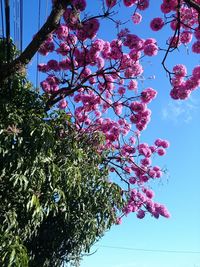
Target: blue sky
x=179, y=122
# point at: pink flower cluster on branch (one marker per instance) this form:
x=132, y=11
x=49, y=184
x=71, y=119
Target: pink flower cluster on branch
x=96, y=82
x=183, y=18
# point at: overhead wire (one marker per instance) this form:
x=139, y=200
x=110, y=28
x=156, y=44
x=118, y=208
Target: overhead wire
x=15, y=22
x=16, y=18
x=7, y=17
x=150, y=250
x=37, y=60
x=2, y=19
x=21, y=25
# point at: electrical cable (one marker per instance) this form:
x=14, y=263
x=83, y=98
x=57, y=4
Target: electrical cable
x=2, y=19
x=150, y=250
x=14, y=20
x=37, y=60
x=21, y=25
x=7, y=15
x=17, y=42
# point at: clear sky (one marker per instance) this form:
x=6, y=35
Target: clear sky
x=138, y=243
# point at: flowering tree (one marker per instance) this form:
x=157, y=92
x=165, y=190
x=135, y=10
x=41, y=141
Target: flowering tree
x=95, y=84
x=101, y=94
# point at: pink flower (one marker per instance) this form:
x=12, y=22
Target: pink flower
x=165, y=144
x=127, y=169
x=161, y=152
x=143, y=4
x=148, y=95
x=71, y=18
x=149, y=193
x=137, y=106
x=88, y=30
x=133, y=71
x=129, y=3
x=136, y=18
x=100, y=63
x=152, y=173
x=119, y=221
x=166, y=7
x=180, y=70
x=177, y=81
x=174, y=42
x=45, y=86
x=62, y=32
x=132, y=140
x=71, y=39
x=63, y=49
x=161, y=209
x=158, y=174
x=153, y=149
x=132, y=180
x=43, y=67
x=134, y=54
x=158, y=142
x=132, y=85
x=46, y=47
x=118, y=108
x=133, y=42
x=145, y=161
x=62, y=104
x=197, y=33
x=149, y=41
x=127, y=209
x=111, y=3
x=79, y=4
x=174, y=25
x=145, y=151
x=98, y=45
x=196, y=72
x=196, y=47
x=157, y=24
x=174, y=94
x=53, y=65
x=140, y=214
x=151, y=50
x=185, y=37
x=121, y=90
x=65, y=64
x=156, y=168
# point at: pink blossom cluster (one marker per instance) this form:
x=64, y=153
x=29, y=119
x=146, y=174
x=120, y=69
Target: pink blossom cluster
x=97, y=83
x=182, y=88
x=142, y=202
x=185, y=19
x=141, y=4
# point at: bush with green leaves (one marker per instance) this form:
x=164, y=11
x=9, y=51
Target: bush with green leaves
x=55, y=197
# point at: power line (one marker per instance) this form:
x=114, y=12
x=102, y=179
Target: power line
x=2, y=19
x=21, y=24
x=7, y=15
x=15, y=21
x=150, y=250
x=37, y=59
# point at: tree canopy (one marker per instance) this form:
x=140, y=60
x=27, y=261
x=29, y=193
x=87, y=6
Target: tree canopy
x=59, y=148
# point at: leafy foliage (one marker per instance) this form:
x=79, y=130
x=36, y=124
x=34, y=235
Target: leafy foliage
x=56, y=200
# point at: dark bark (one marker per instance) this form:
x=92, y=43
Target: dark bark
x=50, y=25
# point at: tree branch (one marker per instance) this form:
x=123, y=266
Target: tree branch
x=193, y=4
x=50, y=25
